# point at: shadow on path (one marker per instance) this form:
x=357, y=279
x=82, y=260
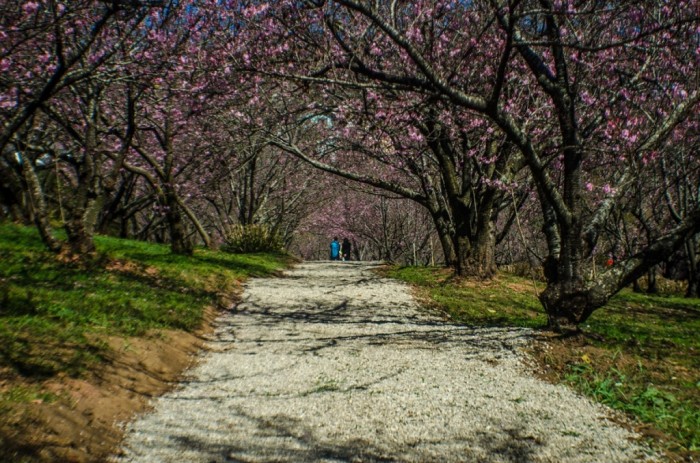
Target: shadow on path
x=282, y=438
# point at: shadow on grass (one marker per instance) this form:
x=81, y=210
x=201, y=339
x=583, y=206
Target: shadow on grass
x=664, y=311
x=241, y=263
x=43, y=358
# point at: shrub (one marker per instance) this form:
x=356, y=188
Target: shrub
x=242, y=239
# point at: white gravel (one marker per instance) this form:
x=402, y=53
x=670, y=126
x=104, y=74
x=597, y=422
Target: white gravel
x=334, y=364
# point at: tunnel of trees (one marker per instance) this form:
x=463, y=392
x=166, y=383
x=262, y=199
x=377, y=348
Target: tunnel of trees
x=560, y=135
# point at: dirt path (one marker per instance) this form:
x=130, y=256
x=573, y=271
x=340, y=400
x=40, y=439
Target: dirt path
x=335, y=364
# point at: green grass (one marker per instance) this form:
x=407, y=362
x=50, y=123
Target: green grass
x=639, y=354
x=660, y=381
x=665, y=325
x=670, y=409
x=53, y=314
x=26, y=394
x=491, y=303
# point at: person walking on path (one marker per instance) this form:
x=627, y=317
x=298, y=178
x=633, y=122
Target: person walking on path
x=335, y=249
x=346, y=249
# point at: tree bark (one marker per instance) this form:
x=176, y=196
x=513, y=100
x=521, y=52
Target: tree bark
x=179, y=241
x=567, y=305
x=569, y=302
x=444, y=228
x=693, y=268
x=652, y=287
x=476, y=255
x=38, y=205
x=636, y=287
x=87, y=199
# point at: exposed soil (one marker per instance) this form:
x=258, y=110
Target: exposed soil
x=83, y=424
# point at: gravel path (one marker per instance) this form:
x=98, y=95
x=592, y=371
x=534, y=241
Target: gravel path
x=334, y=364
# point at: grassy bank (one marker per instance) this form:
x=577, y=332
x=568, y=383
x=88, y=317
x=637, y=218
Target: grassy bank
x=639, y=355
x=54, y=316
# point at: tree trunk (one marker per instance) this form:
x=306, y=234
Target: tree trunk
x=179, y=242
x=475, y=237
x=12, y=195
x=652, y=287
x=80, y=225
x=448, y=250
x=82, y=220
x=82, y=216
x=476, y=252
x=568, y=304
x=80, y=228
x=570, y=301
x=446, y=241
x=443, y=226
x=693, y=269
x=636, y=287
x=80, y=241
x=195, y=222
x=38, y=205
x=693, y=287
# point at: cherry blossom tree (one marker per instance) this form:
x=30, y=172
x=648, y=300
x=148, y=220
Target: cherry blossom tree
x=584, y=91
x=410, y=149
x=188, y=106
x=53, y=53
x=678, y=189
x=251, y=181
x=179, y=140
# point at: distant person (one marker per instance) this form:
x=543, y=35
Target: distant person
x=335, y=249
x=346, y=249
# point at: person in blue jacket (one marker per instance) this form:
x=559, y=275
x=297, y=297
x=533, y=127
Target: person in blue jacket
x=335, y=249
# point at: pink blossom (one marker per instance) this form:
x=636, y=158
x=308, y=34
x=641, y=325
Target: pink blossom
x=30, y=7
x=414, y=135
x=608, y=190
x=6, y=102
x=630, y=137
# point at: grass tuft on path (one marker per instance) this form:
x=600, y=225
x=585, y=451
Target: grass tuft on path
x=53, y=314
x=640, y=354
